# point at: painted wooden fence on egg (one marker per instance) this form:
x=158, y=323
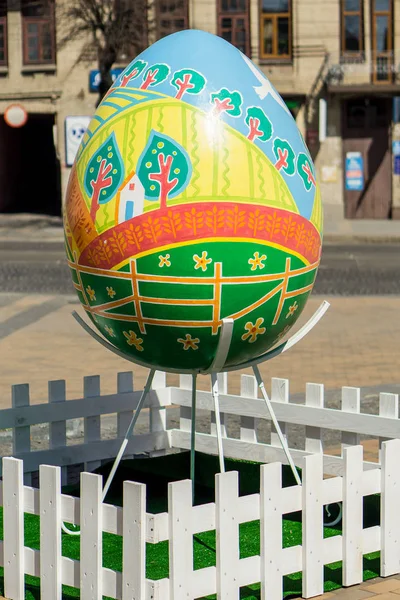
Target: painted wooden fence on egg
x=182, y=521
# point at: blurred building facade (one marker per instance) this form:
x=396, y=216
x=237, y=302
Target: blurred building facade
x=339, y=57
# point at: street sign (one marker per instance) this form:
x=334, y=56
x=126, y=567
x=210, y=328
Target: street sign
x=15, y=115
x=94, y=78
x=354, y=171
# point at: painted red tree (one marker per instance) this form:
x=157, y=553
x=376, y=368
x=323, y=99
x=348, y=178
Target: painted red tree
x=164, y=168
x=226, y=101
x=187, y=81
x=260, y=127
x=132, y=72
x=104, y=174
x=155, y=75
x=284, y=155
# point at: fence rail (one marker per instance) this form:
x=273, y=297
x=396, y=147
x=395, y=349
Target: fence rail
x=184, y=520
x=358, y=478
x=156, y=438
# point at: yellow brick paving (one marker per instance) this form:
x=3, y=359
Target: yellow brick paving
x=355, y=344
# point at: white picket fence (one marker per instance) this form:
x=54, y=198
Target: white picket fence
x=158, y=439
x=183, y=521
x=357, y=479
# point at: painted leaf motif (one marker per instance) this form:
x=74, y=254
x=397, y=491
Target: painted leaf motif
x=285, y=157
x=164, y=168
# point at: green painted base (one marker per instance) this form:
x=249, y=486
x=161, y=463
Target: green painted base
x=166, y=308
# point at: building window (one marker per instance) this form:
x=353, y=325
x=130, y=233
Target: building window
x=172, y=16
x=234, y=23
x=382, y=40
x=38, y=32
x=276, y=29
x=352, y=30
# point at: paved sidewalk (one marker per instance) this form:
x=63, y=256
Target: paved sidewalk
x=355, y=344
x=376, y=589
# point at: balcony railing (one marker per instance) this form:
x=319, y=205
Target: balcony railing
x=376, y=68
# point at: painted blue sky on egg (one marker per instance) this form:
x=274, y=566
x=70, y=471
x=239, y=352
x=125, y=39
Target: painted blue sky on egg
x=223, y=66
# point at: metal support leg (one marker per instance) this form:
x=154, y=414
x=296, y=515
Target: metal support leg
x=215, y=395
x=193, y=434
x=132, y=424
x=123, y=446
x=276, y=424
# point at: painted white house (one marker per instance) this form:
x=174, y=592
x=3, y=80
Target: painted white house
x=131, y=199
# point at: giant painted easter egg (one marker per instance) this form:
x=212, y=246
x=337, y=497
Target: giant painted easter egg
x=193, y=198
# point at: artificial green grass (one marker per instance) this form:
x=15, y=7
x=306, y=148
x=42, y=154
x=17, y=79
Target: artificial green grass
x=156, y=473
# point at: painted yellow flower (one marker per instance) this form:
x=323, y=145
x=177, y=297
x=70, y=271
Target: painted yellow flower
x=133, y=340
x=189, y=342
x=253, y=330
x=91, y=293
x=202, y=261
x=292, y=309
x=164, y=260
x=110, y=331
x=111, y=292
x=257, y=261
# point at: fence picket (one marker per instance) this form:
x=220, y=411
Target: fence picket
x=315, y=398
x=91, y=388
x=58, y=429
x=271, y=531
x=389, y=408
x=50, y=533
x=158, y=414
x=21, y=435
x=248, y=425
x=13, y=532
x=185, y=383
x=134, y=541
x=223, y=389
x=351, y=402
x=91, y=550
x=227, y=532
x=313, y=529
x=390, y=515
x=124, y=385
x=352, y=516
x=279, y=393
x=181, y=539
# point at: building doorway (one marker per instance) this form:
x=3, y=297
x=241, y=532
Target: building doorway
x=366, y=132
x=30, y=174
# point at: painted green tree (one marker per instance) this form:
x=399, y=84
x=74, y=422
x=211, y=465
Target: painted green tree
x=260, y=127
x=226, y=101
x=285, y=157
x=155, y=75
x=132, y=72
x=164, y=168
x=305, y=170
x=188, y=81
x=104, y=174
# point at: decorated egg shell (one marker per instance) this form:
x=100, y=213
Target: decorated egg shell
x=193, y=198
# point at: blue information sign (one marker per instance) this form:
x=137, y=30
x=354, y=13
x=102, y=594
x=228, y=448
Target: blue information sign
x=396, y=147
x=354, y=171
x=397, y=165
x=94, y=78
